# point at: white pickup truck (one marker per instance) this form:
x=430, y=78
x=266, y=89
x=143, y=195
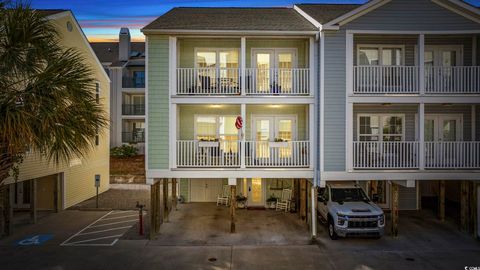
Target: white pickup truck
x=348, y=211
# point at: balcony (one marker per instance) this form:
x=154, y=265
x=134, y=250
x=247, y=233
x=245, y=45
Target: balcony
x=406, y=155
x=406, y=80
x=133, y=137
x=227, y=81
x=227, y=154
x=133, y=82
x=133, y=109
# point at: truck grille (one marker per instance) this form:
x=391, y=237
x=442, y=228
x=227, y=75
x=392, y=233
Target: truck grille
x=362, y=224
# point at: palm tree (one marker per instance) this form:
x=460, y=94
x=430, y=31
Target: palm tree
x=47, y=97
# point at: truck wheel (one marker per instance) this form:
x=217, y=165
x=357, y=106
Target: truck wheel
x=331, y=230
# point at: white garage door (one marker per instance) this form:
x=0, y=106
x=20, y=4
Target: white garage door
x=205, y=190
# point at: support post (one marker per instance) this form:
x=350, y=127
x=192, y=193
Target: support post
x=33, y=201
x=153, y=208
x=7, y=210
x=421, y=128
x=441, y=200
x=165, y=200
x=394, y=210
x=233, y=204
x=303, y=199
x=314, y=211
x=464, y=206
x=174, y=194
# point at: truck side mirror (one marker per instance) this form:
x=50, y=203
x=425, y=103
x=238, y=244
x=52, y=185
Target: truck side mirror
x=375, y=198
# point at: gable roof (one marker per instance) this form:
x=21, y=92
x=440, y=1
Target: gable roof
x=324, y=13
x=107, y=52
x=318, y=14
x=231, y=19
x=49, y=12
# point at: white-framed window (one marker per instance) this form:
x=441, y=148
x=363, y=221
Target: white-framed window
x=216, y=127
x=217, y=58
x=381, y=127
x=380, y=55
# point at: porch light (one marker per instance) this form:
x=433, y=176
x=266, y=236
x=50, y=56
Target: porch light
x=275, y=106
x=215, y=106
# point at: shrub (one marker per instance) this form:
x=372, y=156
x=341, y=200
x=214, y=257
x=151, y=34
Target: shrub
x=123, y=151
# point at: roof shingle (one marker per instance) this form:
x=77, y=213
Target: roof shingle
x=231, y=19
x=107, y=52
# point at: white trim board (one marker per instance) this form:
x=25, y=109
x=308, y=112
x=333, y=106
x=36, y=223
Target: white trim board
x=231, y=173
x=401, y=175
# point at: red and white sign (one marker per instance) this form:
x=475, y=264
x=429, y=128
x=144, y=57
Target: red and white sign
x=239, y=122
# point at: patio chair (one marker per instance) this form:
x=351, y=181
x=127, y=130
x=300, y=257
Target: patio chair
x=283, y=203
x=224, y=198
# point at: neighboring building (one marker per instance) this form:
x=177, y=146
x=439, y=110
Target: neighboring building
x=45, y=186
x=384, y=93
x=125, y=64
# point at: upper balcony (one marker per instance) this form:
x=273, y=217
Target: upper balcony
x=243, y=66
x=389, y=65
x=133, y=77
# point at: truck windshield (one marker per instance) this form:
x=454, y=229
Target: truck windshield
x=348, y=195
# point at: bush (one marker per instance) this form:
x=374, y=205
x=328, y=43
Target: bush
x=123, y=151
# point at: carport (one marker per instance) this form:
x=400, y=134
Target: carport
x=208, y=224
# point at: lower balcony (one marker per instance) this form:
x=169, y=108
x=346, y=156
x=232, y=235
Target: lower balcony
x=227, y=154
x=406, y=155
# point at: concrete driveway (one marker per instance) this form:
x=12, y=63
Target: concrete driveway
x=208, y=224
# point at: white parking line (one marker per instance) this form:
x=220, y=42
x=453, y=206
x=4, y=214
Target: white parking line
x=113, y=223
x=107, y=230
x=103, y=231
x=120, y=217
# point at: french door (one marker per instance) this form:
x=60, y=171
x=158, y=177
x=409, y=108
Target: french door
x=438, y=129
x=273, y=72
x=439, y=66
x=270, y=129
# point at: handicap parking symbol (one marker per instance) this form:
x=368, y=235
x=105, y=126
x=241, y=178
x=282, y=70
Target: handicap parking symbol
x=34, y=240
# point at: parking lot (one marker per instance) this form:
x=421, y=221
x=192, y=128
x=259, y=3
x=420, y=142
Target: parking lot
x=88, y=239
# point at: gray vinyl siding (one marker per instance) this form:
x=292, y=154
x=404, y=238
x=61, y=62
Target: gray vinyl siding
x=410, y=42
x=412, y=15
x=407, y=198
x=335, y=96
x=158, y=107
x=409, y=111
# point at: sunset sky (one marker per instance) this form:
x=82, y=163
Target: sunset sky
x=101, y=20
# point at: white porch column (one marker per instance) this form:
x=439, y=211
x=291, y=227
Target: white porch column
x=421, y=129
x=311, y=61
x=172, y=133
x=243, y=145
x=314, y=210
x=349, y=64
x=243, y=63
x=172, y=64
x=421, y=63
x=311, y=134
x=349, y=136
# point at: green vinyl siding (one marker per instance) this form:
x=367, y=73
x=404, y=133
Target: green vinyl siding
x=158, y=107
x=187, y=46
x=187, y=115
x=184, y=189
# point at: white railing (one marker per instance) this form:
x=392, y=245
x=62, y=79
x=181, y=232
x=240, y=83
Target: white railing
x=385, y=80
x=208, y=154
x=444, y=155
x=277, y=81
x=452, y=80
x=277, y=154
x=389, y=155
x=208, y=81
